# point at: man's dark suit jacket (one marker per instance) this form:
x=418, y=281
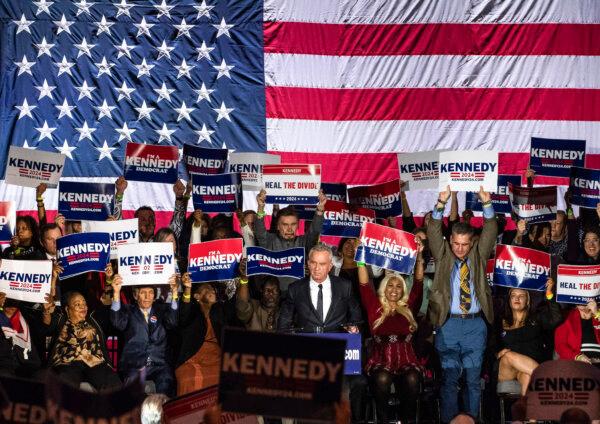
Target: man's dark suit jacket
x=298, y=313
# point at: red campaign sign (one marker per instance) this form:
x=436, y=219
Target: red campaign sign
x=384, y=198
x=520, y=267
x=215, y=260
x=151, y=163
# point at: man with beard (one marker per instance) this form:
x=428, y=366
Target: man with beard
x=260, y=315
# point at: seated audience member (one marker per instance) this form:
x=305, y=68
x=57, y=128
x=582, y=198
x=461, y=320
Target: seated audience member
x=144, y=326
x=78, y=348
x=201, y=321
x=391, y=313
x=579, y=336
x=520, y=334
x=262, y=314
x=19, y=355
x=25, y=244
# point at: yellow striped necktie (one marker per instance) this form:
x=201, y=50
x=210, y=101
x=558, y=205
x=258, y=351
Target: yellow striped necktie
x=465, y=288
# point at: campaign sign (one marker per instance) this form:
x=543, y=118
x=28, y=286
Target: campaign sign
x=83, y=252
x=190, y=409
x=578, y=283
x=146, y=263
x=344, y=220
x=32, y=167
x=521, y=268
x=217, y=193
x=284, y=263
x=201, y=160
x=292, y=184
x=249, y=165
x=26, y=401
x=384, y=198
x=420, y=170
x=151, y=163
x=93, y=201
x=26, y=280
x=353, y=354
x=555, y=158
x=281, y=375
x=120, y=232
x=66, y=403
x=8, y=218
x=468, y=170
x=585, y=187
x=489, y=271
x=387, y=248
x=215, y=260
x=533, y=204
x=500, y=199
x=333, y=191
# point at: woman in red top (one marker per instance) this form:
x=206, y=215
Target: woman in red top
x=391, y=313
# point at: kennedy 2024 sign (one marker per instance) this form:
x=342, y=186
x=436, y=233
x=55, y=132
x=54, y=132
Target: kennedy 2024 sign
x=26, y=280
x=150, y=163
x=585, y=187
x=146, y=264
x=578, y=283
x=554, y=157
x=521, y=268
x=387, y=248
x=217, y=193
x=29, y=168
x=120, y=232
x=91, y=201
x=200, y=160
x=468, y=170
x=215, y=260
x=292, y=184
x=83, y=252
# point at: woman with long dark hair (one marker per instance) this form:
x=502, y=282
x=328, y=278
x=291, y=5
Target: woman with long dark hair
x=25, y=244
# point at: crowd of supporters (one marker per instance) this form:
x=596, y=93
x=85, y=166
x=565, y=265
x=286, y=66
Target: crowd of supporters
x=443, y=328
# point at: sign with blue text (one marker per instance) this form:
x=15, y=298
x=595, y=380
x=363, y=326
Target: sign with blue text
x=32, y=167
x=578, y=283
x=284, y=263
x=249, y=166
x=387, y=248
x=146, y=263
x=120, y=232
x=468, y=170
x=83, y=252
x=420, y=170
x=26, y=280
x=91, y=201
x=292, y=184
x=554, y=157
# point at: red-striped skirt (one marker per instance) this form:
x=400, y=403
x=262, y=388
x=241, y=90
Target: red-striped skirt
x=392, y=353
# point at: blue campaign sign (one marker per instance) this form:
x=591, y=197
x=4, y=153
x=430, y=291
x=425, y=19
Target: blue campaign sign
x=387, y=248
x=500, y=199
x=201, y=160
x=284, y=263
x=83, y=252
x=585, y=187
x=85, y=201
x=217, y=193
x=520, y=267
x=555, y=157
x=353, y=354
x=335, y=191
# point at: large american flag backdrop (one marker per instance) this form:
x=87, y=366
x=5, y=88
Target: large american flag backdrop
x=343, y=83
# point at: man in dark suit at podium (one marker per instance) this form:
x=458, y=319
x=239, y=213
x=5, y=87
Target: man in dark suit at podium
x=320, y=303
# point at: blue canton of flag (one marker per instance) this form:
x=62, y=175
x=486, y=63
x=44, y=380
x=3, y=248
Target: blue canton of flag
x=83, y=78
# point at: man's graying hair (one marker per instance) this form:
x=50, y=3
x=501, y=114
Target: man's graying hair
x=321, y=248
x=462, y=228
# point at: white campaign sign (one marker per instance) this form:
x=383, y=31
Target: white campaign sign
x=419, y=170
x=146, y=263
x=578, y=283
x=249, y=165
x=29, y=167
x=292, y=183
x=28, y=281
x=468, y=170
x=120, y=232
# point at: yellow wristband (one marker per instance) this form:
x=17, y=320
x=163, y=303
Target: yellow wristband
x=243, y=281
x=187, y=296
x=549, y=296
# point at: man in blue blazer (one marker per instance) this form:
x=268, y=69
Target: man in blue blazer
x=144, y=326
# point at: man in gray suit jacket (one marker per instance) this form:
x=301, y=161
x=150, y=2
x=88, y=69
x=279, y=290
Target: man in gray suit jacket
x=460, y=298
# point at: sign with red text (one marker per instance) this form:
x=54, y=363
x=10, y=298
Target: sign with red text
x=420, y=170
x=216, y=260
x=151, y=163
x=217, y=193
x=201, y=160
x=120, y=232
x=292, y=184
x=533, y=204
x=8, y=218
x=387, y=248
x=555, y=157
x=345, y=220
x=521, y=268
x=146, y=263
x=578, y=283
x=190, y=409
x=26, y=280
x=468, y=170
x=32, y=167
x=384, y=198
x=249, y=165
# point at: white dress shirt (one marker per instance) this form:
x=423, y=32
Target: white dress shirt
x=314, y=295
